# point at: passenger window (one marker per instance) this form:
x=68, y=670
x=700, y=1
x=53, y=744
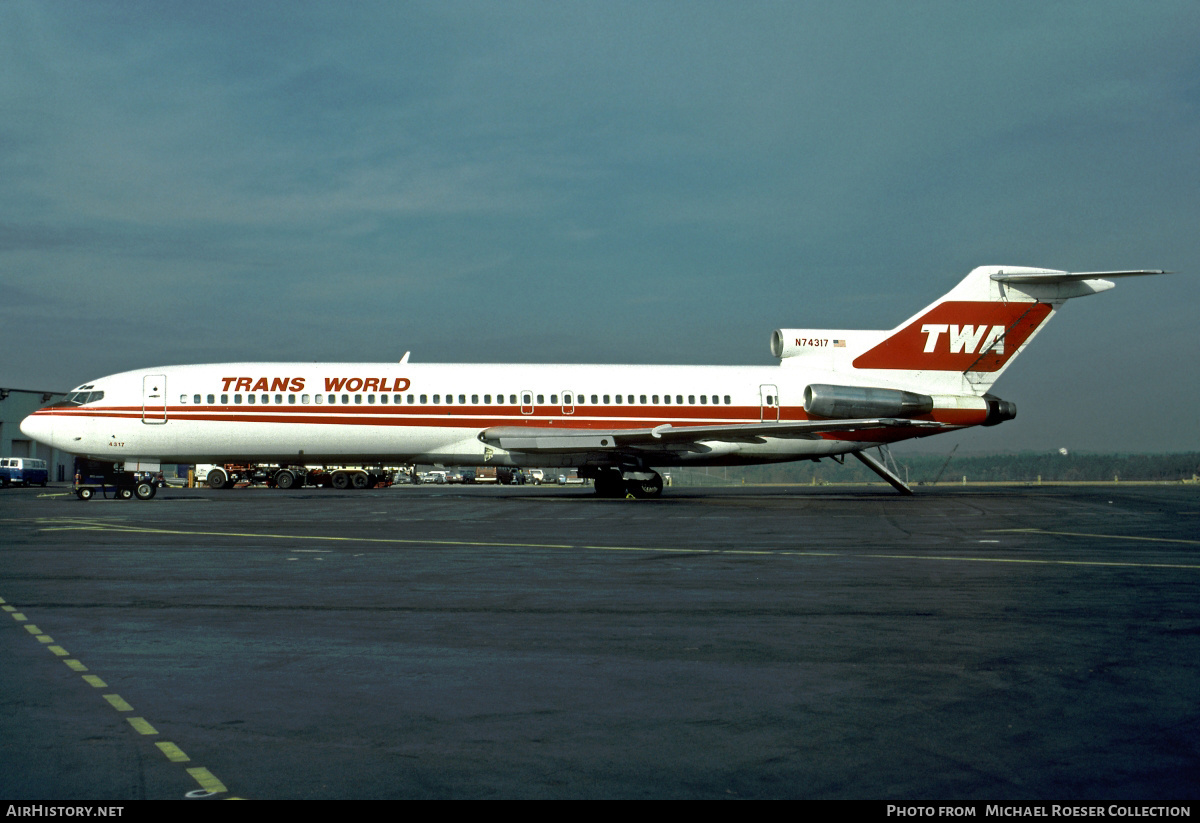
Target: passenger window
x=691, y=399
x=437, y=398
x=370, y=398
x=346, y=398
x=554, y=399
x=424, y=398
x=541, y=399
x=474, y=399
x=704, y=400
x=667, y=399
x=333, y=398
x=224, y=399
x=383, y=398
x=316, y=397
x=595, y=400
x=462, y=399
x=449, y=398
x=183, y=398
x=212, y=399
x=251, y=399
x=358, y=398
x=727, y=403
x=642, y=399
x=412, y=398
x=279, y=399
x=487, y=398
x=618, y=399
x=679, y=399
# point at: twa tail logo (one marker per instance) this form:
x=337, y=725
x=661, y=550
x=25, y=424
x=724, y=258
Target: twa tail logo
x=964, y=339
x=959, y=336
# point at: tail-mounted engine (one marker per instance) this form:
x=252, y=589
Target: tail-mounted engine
x=998, y=410
x=852, y=402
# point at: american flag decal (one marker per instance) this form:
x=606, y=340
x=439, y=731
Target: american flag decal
x=839, y=344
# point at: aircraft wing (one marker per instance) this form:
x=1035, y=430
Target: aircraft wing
x=554, y=440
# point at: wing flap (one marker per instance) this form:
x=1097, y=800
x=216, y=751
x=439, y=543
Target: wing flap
x=548, y=440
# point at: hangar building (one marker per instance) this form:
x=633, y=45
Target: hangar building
x=15, y=406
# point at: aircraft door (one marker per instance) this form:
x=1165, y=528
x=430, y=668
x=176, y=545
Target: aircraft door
x=568, y=402
x=154, y=398
x=768, y=403
x=526, y=402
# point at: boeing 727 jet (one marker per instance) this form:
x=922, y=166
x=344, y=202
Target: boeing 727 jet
x=834, y=392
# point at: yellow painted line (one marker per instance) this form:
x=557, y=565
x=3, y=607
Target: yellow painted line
x=118, y=702
x=75, y=665
x=141, y=725
x=58, y=650
x=2, y=600
x=20, y=618
x=173, y=752
x=206, y=780
x=9, y=609
x=45, y=638
x=1103, y=536
x=94, y=682
x=32, y=629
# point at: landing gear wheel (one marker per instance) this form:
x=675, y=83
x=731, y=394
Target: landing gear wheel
x=217, y=479
x=340, y=481
x=360, y=480
x=144, y=490
x=84, y=494
x=644, y=489
x=609, y=484
x=284, y=479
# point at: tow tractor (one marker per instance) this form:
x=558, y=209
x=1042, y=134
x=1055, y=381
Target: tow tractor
x=92, y=476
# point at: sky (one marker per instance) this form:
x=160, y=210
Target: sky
x=602, y=182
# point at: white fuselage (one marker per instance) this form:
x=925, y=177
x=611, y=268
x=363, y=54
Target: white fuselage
x=372, y=413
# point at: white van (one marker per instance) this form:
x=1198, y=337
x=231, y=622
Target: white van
x=23, y=471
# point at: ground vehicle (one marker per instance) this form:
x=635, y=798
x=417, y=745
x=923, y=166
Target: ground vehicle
x=94, y=477
x=833, y=393
x=228, y=475
x=536, y=476
x=485, y=474
x=23, y=471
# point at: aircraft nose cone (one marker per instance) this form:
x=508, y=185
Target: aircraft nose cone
x=39, y=427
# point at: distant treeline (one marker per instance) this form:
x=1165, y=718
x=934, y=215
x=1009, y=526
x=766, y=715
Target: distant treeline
x=1021, y=467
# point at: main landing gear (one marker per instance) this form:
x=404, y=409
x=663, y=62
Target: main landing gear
x=640, y=484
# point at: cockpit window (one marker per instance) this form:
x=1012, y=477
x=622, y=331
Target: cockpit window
x=79, y=398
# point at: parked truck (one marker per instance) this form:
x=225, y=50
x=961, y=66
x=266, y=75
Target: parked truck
x=228, y=475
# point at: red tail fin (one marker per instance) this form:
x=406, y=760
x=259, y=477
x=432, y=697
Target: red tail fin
x=959, y=336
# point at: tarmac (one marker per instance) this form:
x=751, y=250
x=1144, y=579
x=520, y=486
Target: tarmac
x=1038, y=643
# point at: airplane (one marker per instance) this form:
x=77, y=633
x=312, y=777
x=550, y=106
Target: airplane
x=833, y=393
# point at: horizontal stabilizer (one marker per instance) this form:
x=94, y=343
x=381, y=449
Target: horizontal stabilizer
x=1049, y=277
